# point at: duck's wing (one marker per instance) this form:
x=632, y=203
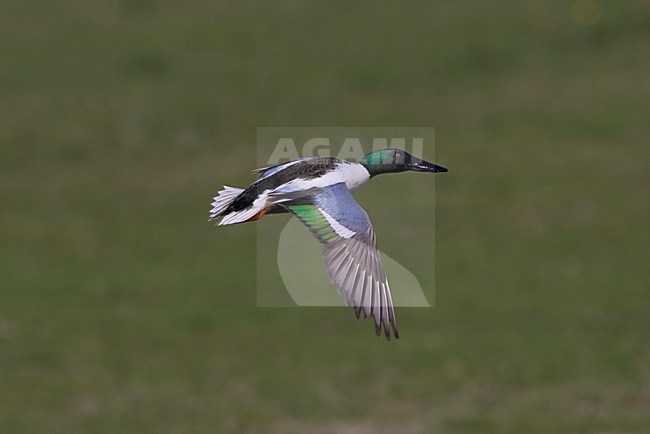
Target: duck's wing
x=350, y=251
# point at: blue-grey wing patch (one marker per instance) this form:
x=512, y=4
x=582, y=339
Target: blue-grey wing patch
x=349, y=250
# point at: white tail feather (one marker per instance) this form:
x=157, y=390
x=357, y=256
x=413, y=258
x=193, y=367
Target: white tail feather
x=223, y=199
x=245, y=214
x=238, y=216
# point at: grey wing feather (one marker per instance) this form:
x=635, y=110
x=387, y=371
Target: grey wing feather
x=354, y=266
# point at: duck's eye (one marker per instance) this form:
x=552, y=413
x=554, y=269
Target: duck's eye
x=398, y=155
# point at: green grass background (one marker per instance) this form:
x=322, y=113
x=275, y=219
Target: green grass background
x=123, y=311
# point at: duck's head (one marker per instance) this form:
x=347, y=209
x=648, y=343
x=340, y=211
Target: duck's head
x=392, y=160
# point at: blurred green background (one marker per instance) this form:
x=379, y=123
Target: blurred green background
x=122, y=310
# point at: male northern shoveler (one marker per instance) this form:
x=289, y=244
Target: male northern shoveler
x=317, y=191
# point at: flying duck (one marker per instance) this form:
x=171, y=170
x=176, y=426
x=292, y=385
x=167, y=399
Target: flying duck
x=317, y=191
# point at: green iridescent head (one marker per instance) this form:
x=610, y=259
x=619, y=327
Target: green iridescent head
x=391, y=160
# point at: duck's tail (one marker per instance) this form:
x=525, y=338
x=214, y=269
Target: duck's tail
x=223, y=200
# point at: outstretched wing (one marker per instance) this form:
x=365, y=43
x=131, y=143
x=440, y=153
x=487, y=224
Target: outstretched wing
x=349, y=249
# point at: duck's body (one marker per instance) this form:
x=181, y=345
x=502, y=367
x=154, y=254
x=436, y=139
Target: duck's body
x=266, y=194
x=317, y=191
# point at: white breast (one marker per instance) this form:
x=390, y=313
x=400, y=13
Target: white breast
x=355, y=175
